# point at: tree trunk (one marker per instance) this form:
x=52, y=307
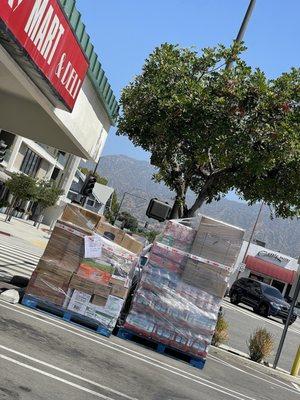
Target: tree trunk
x=10, y=211
x=179, y=204
x=202, y=196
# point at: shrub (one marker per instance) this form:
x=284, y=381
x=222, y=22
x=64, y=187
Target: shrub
x=221, y=332
x=261, y=344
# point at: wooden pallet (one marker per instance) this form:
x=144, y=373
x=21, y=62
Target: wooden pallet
x=66, y=315
x=160, y=347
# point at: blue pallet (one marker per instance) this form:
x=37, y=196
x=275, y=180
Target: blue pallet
x=161, y=348
x=66, y=315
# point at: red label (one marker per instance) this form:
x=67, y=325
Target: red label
x=41, y=27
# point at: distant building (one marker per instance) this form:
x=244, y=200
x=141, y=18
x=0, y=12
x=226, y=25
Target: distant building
x=271, y=267
x=39, y=161
x=99, y=199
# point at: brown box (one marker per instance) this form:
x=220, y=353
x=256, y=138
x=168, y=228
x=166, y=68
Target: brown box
x=208, y=278
x=217, y=241
x=47, y=266
x=81, y=217
x=66, y=246
x=49, y=286
x=131, y=244
x=105, y=227
x=82, y=284
x=99, y=300
x=119, y=291
x=102, y=290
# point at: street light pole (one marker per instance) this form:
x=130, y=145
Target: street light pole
x=243, y=27
x=251, y=236
x=287, y=323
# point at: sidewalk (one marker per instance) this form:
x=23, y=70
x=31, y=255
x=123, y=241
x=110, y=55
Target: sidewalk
x=25, y=230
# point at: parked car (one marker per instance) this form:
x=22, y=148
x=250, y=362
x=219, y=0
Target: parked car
x=266, y=300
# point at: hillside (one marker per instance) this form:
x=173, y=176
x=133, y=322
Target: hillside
x=133, y=176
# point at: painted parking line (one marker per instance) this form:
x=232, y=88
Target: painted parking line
x=141, y=357
x=55, y=377
x=64, y=371
x=297, y=387
x=257, y=317
x=273, y=381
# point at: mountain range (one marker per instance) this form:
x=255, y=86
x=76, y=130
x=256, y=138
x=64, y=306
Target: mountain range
x=134, y=179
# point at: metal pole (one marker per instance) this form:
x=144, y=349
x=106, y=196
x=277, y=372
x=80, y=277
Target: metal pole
x=286, y=327
x=118, y=212
x=251, y=236
x=243, y=27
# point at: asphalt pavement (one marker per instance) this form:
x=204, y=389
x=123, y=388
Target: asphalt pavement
x=243, y=321
x=43, y=357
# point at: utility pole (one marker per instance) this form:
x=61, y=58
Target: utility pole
x=287, y=323
x=243, y=27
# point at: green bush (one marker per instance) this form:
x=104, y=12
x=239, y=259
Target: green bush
x=261, y=344
x=221, y=332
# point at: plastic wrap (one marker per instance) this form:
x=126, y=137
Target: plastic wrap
x=179, y=294
x=94, y=287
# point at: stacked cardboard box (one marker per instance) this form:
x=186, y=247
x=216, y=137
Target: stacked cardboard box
x=82, y=271
x=179, y=294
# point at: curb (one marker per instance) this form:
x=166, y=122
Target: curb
x=267, y=368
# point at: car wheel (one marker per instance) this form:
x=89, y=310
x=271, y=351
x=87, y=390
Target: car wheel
x=234, y=298
x=263, y=310
x=291, y=321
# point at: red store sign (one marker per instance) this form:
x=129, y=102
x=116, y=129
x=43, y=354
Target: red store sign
x=41, y=28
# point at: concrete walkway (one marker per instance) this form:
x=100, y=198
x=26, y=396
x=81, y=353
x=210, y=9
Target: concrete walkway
x=25, y=230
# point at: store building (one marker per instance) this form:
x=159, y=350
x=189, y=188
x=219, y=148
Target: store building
x=271, y=267
x=57, y=105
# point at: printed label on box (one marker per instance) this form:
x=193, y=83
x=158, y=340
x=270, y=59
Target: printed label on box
x=79, y=302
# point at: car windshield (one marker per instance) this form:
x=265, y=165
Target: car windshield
x=271, y=291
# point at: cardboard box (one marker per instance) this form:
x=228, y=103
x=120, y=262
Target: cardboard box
x=79, y=301
x=119, y=291
x=105, y=227
x=99, y=300
x=96, y=275
x=131, y=244
x=218, y=241
x=48, y=286
x=102, y=290
x=82, y=284
x=113, y=306
x=66, y=246
x=76, y=215
x=50, y=266
x=97, y=313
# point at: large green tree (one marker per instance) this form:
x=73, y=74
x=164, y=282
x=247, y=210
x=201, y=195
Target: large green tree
x=212, y=129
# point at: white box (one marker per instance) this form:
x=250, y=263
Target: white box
x=79, y=301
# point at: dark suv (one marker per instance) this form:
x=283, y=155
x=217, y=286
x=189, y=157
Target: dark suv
x=265, y=299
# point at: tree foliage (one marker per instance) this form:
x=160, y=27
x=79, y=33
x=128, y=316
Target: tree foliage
x=22, y=187
x=128, y=221
x=47, y=194
x=212, y=129
x=111, y=212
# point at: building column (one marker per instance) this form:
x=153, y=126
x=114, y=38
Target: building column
x=14, y=152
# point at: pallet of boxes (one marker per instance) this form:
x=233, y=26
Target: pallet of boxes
x=176, y=303
x=83, y=276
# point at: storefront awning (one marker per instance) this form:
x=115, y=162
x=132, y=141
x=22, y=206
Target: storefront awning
x=274, y=271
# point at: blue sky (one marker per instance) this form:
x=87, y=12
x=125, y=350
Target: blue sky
x=125, y=32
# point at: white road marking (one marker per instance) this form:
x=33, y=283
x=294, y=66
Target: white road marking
x=296, y=386
x=146, y=359
x=67, y=372
x=282, y=385
x=57, y=378
x=257, y=317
